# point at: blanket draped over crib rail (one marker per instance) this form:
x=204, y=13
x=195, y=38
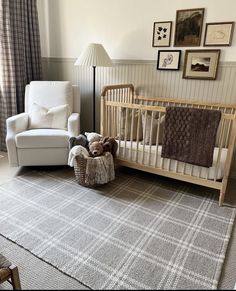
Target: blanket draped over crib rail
x=138, y=123
x=190, y=135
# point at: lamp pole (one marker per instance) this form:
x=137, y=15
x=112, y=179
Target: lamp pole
x=94, y=98
x=94, y=56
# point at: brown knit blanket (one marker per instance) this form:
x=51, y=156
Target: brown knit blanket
x=190, y=135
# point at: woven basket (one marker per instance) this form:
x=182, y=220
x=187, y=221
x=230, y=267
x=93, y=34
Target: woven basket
x=80, y=170
x=80, y=165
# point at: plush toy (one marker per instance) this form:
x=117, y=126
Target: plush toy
x=78, y=140
x=95, y=148
x=93, y=136
x=110, y=145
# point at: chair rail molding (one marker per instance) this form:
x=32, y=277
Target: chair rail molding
x=146, y=79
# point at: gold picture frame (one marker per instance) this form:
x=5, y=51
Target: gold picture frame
x=201, y=64
x=219, y=33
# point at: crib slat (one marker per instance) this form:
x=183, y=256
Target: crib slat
x=150, y=139
x=137, y=134
x=220, y=149
x=144, y=137
x=132, y=134
x=112, y=120
x=225, y=132
x=176, y=166
x=228, y=133
x=107, y=119
x=169, y=164
x=157, y=138
x=116, y=122
x=191, y=171
x=126, y=130
x=119, y=136
x=162, y=163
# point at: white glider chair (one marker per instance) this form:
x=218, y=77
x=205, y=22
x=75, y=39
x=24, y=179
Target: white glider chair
x=40, y=136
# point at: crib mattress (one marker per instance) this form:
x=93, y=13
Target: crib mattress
x=127, y=151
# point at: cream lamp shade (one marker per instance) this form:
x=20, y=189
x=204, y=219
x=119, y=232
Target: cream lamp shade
x=94, y=56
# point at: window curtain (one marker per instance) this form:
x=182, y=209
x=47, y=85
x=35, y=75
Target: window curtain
x=20, y=56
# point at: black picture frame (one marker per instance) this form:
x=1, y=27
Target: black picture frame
x=168, y=60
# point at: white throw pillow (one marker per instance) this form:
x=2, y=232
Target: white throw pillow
x=54, y=117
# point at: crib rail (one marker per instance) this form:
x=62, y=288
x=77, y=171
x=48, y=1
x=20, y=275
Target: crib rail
x=120, y=93
x=159, y=101
x=137, y=125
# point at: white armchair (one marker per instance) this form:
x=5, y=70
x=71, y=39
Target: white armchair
x=43, y=146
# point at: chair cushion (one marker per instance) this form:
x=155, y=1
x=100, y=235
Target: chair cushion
x=49, y=94
x=42, y=138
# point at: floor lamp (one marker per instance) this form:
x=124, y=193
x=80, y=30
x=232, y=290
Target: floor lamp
x=94, y=56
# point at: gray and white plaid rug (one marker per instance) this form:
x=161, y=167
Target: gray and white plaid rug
x=138, y=232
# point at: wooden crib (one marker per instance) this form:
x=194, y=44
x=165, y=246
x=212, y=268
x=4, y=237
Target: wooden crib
x=137, y=124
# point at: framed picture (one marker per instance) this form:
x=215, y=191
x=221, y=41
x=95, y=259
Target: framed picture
x=201, y=64
x=188, y=27
x=218, y=34
x=161, y=33
x=168, y=60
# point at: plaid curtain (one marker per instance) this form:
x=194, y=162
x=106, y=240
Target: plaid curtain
x=20, y=56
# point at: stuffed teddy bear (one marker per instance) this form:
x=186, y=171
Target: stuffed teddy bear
x=78, y=140
x=95, y=149
x=93, y=136
x=110, y=145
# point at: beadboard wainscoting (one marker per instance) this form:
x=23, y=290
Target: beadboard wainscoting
x=147, y=80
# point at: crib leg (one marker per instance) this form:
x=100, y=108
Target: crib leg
x=221, y=199
x=222, y=191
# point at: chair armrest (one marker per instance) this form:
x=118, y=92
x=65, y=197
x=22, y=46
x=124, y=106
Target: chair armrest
x=17, y=123
x=74, y=124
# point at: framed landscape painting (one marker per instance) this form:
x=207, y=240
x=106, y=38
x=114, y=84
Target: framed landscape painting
x=161, y=34
x=218, y=34
x=188, y=27
x=201, y=64
x=168, y=60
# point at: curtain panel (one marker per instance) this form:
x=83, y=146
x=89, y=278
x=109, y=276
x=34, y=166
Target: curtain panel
x=20, y=56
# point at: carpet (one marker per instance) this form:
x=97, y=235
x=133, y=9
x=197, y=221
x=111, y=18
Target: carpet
x=138, y=232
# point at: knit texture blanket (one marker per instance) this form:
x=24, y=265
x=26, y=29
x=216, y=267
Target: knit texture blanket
x=190, y=135
x=100, y=170
x=77, y=151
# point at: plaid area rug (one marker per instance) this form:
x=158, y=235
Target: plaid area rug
x=140, y=231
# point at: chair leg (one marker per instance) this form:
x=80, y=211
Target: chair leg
x=15, y=279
